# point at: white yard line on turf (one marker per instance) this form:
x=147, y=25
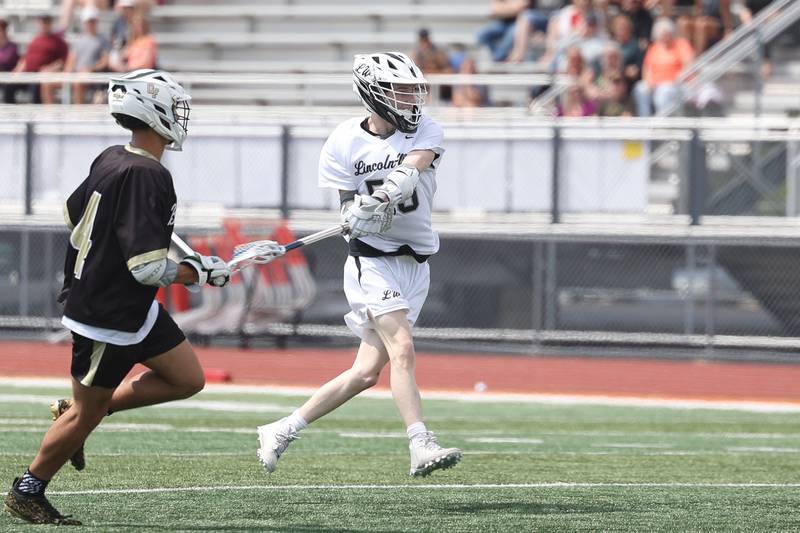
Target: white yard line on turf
x=251, y=453
x=31, y=425
x=483, y=486
x=504, y=440
x=228, y=407
x=631, y=445
x=763, y=449
x=480, y=397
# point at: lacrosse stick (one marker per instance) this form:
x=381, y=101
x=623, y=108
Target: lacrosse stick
x=262, y=252
x=181, y=244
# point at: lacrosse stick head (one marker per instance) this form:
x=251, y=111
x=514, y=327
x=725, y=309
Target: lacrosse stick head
x=254, y=253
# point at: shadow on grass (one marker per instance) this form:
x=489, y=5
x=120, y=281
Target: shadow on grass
x=525, y=508
x=296, y=528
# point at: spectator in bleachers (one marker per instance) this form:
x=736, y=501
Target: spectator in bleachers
x=530, y=24
x=126, y=9
x=667, y=8
x=568, y=27
x=574, y=103
x=575, y=67
x=142, y=49
x=470, y=95
x=47, y=52
x=746, y=14
x=610, y=90
x=663, y=63
x=9, y=57
x=432, y=60
x=89, y=52
x=499, y=35
x=641, y=21
x=632, y=54
x=68, y=9
x=593, y=39
x=609, y=66
x=619, y=102
x=458, y=54
x=711, y=20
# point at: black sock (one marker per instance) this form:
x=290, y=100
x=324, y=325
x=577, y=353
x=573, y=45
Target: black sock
x=30, y=484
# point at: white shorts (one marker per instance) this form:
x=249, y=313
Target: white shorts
x=380, y=285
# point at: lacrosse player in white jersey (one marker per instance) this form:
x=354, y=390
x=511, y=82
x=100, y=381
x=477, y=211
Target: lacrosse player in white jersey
x=384, y=167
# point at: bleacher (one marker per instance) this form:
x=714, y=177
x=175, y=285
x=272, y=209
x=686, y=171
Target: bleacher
x=320, y=37
x=316, y=37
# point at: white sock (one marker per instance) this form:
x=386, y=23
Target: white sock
x=297, y=421
x=415, y=430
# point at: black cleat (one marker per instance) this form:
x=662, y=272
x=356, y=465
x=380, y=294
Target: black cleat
x=58, y=408
x=35, y=509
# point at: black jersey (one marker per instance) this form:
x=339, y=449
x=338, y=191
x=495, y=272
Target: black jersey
x=120, y=216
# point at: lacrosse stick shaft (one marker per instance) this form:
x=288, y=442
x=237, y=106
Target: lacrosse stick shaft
x=181, y=244
x=318, y=236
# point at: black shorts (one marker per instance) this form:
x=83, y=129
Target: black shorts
x=99, y=364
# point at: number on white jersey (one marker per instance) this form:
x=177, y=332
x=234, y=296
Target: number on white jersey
x=405, y=207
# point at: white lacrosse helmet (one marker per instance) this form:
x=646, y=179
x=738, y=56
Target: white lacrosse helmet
x=155, y=98
x=390, y=85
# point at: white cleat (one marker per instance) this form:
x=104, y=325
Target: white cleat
x=427, y=455
x=274, y=439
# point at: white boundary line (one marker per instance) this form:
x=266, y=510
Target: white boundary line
x=483, y=486
x=479, y=397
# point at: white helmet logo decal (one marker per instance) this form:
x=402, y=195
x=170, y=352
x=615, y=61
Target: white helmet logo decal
x=152, y=90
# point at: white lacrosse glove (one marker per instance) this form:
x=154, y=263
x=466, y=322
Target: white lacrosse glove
x=210, y=269
x=399, y=185
x=366, y=215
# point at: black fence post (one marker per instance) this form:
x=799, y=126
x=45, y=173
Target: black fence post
x=555, y=207
x=698, y=178
x=29, y=168
x=285, y=133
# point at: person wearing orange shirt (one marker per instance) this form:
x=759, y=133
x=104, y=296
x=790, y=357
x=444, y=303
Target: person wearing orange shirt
x=666, y=58
x=141, y=51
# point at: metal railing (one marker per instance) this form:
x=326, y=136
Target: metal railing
x=304, y=88
x=731, y=51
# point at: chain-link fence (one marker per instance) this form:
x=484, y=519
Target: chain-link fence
x=646, y=288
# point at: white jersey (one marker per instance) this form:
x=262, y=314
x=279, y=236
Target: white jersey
x=354, y=159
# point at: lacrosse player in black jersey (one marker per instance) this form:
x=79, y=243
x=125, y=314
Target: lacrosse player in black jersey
x=121, y=220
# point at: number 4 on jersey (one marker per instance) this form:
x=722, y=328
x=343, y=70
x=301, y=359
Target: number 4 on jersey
x=80, y=238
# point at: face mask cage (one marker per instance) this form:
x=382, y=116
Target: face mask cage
x=180, y=110
x=405, y=99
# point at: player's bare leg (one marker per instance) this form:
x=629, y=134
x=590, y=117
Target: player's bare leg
x=426, y=454
x=370, y=360
x=173, y=375
x=274, y=438
x=69, y=431
x=26, y=499
x=395, y=333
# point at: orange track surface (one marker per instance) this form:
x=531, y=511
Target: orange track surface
x=459, y=372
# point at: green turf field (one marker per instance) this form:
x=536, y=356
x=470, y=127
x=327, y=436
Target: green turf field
x=527, y=467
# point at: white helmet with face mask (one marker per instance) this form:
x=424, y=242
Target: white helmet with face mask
x=154, y=98
x=390, y=85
